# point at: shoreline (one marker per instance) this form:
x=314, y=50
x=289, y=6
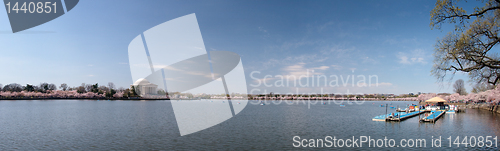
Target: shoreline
x=189, y=99
x=7, y=99
x=492, y=108
x=14, y=99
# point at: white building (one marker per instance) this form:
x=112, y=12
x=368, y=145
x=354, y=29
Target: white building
x=145, y=88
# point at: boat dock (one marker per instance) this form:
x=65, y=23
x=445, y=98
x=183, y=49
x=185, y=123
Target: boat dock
x=398, y=116
x=413, y=110
x=433, y=117
x=380, y=117
x=403, y=116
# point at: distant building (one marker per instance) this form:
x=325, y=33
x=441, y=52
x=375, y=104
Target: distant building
x=143, y=87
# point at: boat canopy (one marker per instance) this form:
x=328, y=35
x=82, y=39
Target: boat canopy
x=435, y=100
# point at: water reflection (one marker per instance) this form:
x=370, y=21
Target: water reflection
x=151, y=125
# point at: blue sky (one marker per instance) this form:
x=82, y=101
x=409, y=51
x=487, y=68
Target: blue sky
x=390, y=39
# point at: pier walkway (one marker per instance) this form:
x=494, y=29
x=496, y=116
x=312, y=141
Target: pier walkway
x=398, y=116
x=433, y=117
x=403, y=116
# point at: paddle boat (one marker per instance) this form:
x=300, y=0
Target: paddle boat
x=342, y=105
x=431, y=108
x=451, y=109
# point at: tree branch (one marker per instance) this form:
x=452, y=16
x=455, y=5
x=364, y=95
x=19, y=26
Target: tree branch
x=470, y=15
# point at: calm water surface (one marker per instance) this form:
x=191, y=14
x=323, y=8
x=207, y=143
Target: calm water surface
x=150, y=125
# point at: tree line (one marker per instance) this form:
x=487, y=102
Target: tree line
x=106, y=91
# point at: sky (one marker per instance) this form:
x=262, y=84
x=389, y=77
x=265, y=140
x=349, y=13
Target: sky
x=389, y=39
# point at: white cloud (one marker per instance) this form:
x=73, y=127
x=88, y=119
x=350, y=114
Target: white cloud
x=421, y=60
x=299, y=70
x=416, y=56
x=384, y=84
x=336, y=67
x=369, y=60
x=262, y=29
x=321, y=68
x=403, y=58
x=305, y=58
x=265, y=32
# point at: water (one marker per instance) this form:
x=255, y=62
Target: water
x=150, y=125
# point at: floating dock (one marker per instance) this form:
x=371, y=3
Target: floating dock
x=403, y=116
x=398, y=116
x=433, y=117
x=380, y=117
